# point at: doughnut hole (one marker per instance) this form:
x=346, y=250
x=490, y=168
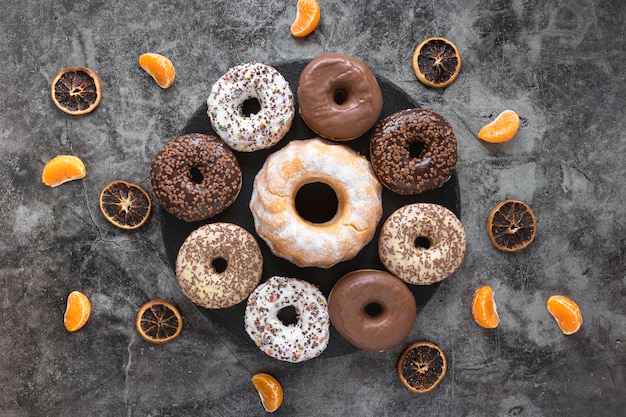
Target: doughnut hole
x=416, y=148
x=338, y=95
x=288, y=316
x=251, y=106
x=219, y=265
x=373, y=310
x=196, y=175
x=316, y=202
x=422, y=242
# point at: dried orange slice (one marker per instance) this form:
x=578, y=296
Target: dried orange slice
x=159, y=67
x=422, y=366
x=511, y=226
x=77, y=311
x=76, y=90
x=61, y=169
x=436, y=62
x=270, y=391
x=125, y=205
x=484, y=308
x=502, y=129
x=307, y=18
x=159, y=321
x=566, y=313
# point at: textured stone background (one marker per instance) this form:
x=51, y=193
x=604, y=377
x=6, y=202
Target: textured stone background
x=559, y=64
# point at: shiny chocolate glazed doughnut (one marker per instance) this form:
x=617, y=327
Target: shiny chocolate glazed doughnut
x=339, y=97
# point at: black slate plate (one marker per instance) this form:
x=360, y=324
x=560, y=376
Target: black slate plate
x=231, y=319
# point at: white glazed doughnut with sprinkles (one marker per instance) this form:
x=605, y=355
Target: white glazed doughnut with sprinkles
x=299, y=342
x=261, y=130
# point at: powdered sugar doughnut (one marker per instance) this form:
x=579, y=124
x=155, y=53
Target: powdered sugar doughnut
x=260, y=130
x=422, y=243
x=298, y=342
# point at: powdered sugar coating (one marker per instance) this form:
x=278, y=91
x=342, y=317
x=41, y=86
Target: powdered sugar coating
x=416, y=264
x=258, y=130
x=299, y=342
x=208, y=286
x=316, y=244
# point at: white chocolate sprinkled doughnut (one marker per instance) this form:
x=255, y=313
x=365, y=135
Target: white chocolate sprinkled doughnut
x=258, y=130
x=422, y=264
x=298, y=342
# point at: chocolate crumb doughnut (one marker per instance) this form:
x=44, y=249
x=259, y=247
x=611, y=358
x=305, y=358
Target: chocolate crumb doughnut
x=413, y=151
x=195, y=176
x=371, y=309
x=339, y=97
x=422, y=243
x=219, y=265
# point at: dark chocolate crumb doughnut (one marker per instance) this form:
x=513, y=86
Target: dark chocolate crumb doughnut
x=413, y=151
x=195, y=176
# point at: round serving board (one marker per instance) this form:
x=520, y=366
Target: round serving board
x=231, y=319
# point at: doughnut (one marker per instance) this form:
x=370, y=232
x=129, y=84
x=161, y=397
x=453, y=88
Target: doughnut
x=372, y=309
x=422, y=243
x=260, y=130
x=195, y=177
x=309, y=243
x=304, y=340
x=339, y=97
x=219, y=265
x=413, y=151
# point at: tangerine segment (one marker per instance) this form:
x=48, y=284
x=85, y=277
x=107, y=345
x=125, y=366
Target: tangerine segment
x=511, y=226
x=159, y=67
x=566, y=313
x=307, y=18
x=501, y=129
x=422, y=366
x=270, y=391
x=484, y=308
x=159, y=321
x=76, y=90
x=61, y=169
x=125, y=205
x=436, y=62
x=77, y=311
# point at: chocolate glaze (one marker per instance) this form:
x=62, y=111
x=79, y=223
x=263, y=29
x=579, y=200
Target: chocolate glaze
x=354, y=292
x=332, y=75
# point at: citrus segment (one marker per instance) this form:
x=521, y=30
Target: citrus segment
x=270, y=391
x=77, y=311
x=511, y=226
x=307, y=18
x=159, y=67
x=484, y=308
x=61, y=169
x=501, y=129
x=566, y=313
x=76, y=90
x=125, y=205
x=436, y=62
x=159, y=321
x=421, y=367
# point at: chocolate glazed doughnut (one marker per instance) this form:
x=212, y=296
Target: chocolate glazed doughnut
x=372, y=309
x=339, y=97
x=413, y=151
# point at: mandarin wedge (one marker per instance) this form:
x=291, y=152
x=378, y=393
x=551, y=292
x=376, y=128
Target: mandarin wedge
x=502, y=129
x=566, y=313
x=307, y=18
x=159, y=67
x=484, y=308
x=61, y=169
x=270, y=391
x=77, y=311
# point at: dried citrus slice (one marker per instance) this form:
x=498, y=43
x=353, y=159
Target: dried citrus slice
x=566, y=313
x=125, y=205
x=159, y=67
x=76, y=90
x=422, y=366
x=270, y=391
x=61, y=169
x=511, y=226
x=484, y=308
x=501, y=129
x=159, y=321
x=77, y=311
x=307, y=18
x=436, y=62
